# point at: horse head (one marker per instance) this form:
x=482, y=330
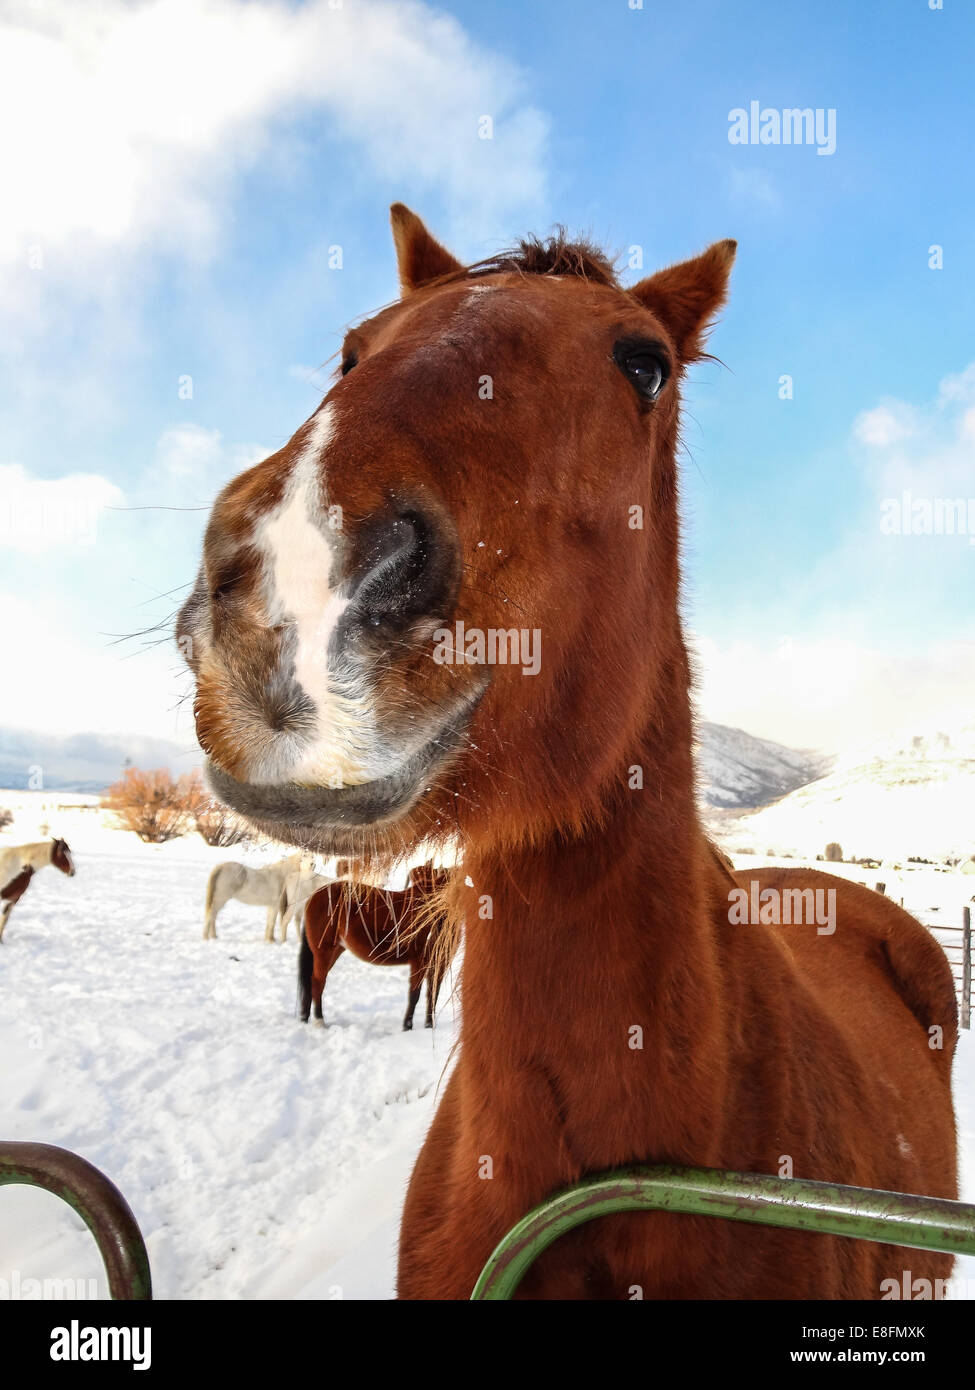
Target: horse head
x=425, y=878
x=61, y=857
x=457, y=583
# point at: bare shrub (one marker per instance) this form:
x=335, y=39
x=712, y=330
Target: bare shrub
x=218, y=825
x=154, y=804
x=6, y=817
x=834, y=853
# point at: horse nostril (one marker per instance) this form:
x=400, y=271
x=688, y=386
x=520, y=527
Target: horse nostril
x=289, y=712
x=394, y=543
x=404, y=571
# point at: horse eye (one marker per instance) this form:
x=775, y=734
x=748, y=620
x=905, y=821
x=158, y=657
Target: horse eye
x=644, y=368
x=349, y=362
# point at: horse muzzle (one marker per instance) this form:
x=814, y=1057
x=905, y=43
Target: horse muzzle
x=330, y=819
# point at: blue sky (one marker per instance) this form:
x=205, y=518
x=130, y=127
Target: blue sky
x=184, y=168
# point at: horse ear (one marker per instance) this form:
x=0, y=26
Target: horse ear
x=686, y=297
x=419, y=257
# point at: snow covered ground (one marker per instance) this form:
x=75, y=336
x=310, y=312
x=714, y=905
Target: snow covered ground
x=262, y=1158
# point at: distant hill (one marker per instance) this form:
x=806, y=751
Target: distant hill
x=902, y=796
x=736, y=769
x=912, y=795
x=84, y=762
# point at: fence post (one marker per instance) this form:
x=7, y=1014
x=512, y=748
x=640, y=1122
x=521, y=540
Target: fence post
x=966, y=969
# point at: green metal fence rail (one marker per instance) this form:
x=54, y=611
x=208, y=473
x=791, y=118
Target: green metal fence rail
x=863, y=1213
x=97, y=1201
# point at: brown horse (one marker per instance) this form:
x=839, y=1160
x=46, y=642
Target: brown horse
x=496, y=468
x=379, y=927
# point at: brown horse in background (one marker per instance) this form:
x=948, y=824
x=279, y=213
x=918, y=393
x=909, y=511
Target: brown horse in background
x=381, y=928
x=615, y=1011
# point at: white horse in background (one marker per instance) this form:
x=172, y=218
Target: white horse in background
x=294, y=900
x=21, y=862
x=271, y=887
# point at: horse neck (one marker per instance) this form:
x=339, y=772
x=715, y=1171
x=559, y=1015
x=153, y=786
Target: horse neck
x=591, y=938
x=39, y=854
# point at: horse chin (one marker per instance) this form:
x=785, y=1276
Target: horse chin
x=346, y=820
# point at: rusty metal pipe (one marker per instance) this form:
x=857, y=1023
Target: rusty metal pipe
x=97, y=1201
x=894, y=1218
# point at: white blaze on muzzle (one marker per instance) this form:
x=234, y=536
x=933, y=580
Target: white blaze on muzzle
x=299, y=552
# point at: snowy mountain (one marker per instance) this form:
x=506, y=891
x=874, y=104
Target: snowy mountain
x=83, y=762
x=736, y=769
x=911, y=795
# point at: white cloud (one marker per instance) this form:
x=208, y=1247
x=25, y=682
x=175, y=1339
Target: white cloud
x=891, y=642
x=884, y=425
x=959, y=391
x=68, y=677
x=960, y=386
x=41, y=514
x=830, y=691
x=192, y=453
x=928, y=447
x=125, y=123
x=72, y=604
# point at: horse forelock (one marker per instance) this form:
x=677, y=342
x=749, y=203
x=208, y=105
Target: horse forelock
x=552, y=256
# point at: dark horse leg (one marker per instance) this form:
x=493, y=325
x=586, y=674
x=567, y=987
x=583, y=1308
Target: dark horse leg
x=324, y=961
x=433, y=990
x=438, y=963
x=435, y=976
x=306, y=964
x=416, y=985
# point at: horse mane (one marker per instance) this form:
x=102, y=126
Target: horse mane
x=554, y=255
